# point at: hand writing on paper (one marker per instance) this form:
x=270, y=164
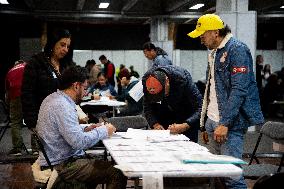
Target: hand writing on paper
x=220, y=133
x=178, y=128
x=96, y=97
x=110, y=129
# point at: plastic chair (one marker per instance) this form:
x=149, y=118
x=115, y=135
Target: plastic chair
x=123, y=123
x=274, y=131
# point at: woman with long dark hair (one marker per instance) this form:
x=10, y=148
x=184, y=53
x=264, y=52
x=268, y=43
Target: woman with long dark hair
x=42, y=73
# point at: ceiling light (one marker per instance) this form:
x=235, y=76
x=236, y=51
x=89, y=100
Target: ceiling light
x=4, y=2
x=197, y=6
x=103, y=5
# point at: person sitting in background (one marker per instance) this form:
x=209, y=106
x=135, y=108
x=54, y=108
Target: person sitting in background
x=64, y=140
x=127, y=83
x=156, y=54
x=13, y=84
x=102, y=88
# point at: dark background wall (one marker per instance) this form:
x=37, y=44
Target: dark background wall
x=267, y=36
x=106, y=37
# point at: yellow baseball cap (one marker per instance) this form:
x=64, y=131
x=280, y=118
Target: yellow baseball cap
x=205, y=23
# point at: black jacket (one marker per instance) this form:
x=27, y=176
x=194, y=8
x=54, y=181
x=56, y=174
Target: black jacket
x=39, y=81
x=182, y=105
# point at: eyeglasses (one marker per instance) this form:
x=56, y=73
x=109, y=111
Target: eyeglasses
x=85, y=87
x=82, y=85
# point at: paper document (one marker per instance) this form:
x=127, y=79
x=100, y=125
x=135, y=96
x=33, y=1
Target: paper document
x=146, y=134
x=137, y=91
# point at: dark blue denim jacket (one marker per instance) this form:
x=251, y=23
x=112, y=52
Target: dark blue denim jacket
x=236, y=89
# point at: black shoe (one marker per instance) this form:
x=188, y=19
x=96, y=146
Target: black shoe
x=15, y=152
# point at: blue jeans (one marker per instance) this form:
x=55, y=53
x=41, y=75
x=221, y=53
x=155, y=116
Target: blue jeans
x=232, y=147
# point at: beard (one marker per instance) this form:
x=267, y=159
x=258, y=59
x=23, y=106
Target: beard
x=78, y=98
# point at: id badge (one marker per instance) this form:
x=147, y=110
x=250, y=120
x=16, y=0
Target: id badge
x=54, y=75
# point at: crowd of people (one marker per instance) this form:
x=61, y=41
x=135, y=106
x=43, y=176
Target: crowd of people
x=50, y=85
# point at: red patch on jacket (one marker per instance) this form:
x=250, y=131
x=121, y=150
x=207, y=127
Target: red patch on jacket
x=242, y=69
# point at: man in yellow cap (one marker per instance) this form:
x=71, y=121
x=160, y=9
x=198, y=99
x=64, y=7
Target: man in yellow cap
x=231, y=101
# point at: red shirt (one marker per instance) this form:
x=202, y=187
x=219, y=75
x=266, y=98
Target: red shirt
x=14, y=80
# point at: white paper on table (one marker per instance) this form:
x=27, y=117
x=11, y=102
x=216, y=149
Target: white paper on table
x=134, y=153
x=137, y=91
x=145, y=159
x=104, y=101
x=146, y=134
x=153, y=181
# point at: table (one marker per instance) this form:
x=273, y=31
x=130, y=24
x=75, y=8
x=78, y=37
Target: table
x=103, y=104
x=139, y=156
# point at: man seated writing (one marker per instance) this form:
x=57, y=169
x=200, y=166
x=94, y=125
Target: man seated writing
x=64, y=139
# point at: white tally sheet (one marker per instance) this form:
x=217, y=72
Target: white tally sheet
x=104, y=101
x=140, y=157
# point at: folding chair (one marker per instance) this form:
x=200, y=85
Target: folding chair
x=50, y=166
x=274, y=131
x=40, y=185
x=123, y=123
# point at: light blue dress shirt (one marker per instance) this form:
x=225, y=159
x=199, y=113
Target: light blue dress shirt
x=62, y=135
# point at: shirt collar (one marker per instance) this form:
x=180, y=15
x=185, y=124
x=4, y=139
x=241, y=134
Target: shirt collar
x=67, y=97
x=225, y=40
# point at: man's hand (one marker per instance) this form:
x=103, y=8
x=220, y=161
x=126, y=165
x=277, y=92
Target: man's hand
x=204, y=136
x=110, y=129
x=91, y=127
x=220, y=133
x=157, y=126
x=96, y=97
x=178, y=128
